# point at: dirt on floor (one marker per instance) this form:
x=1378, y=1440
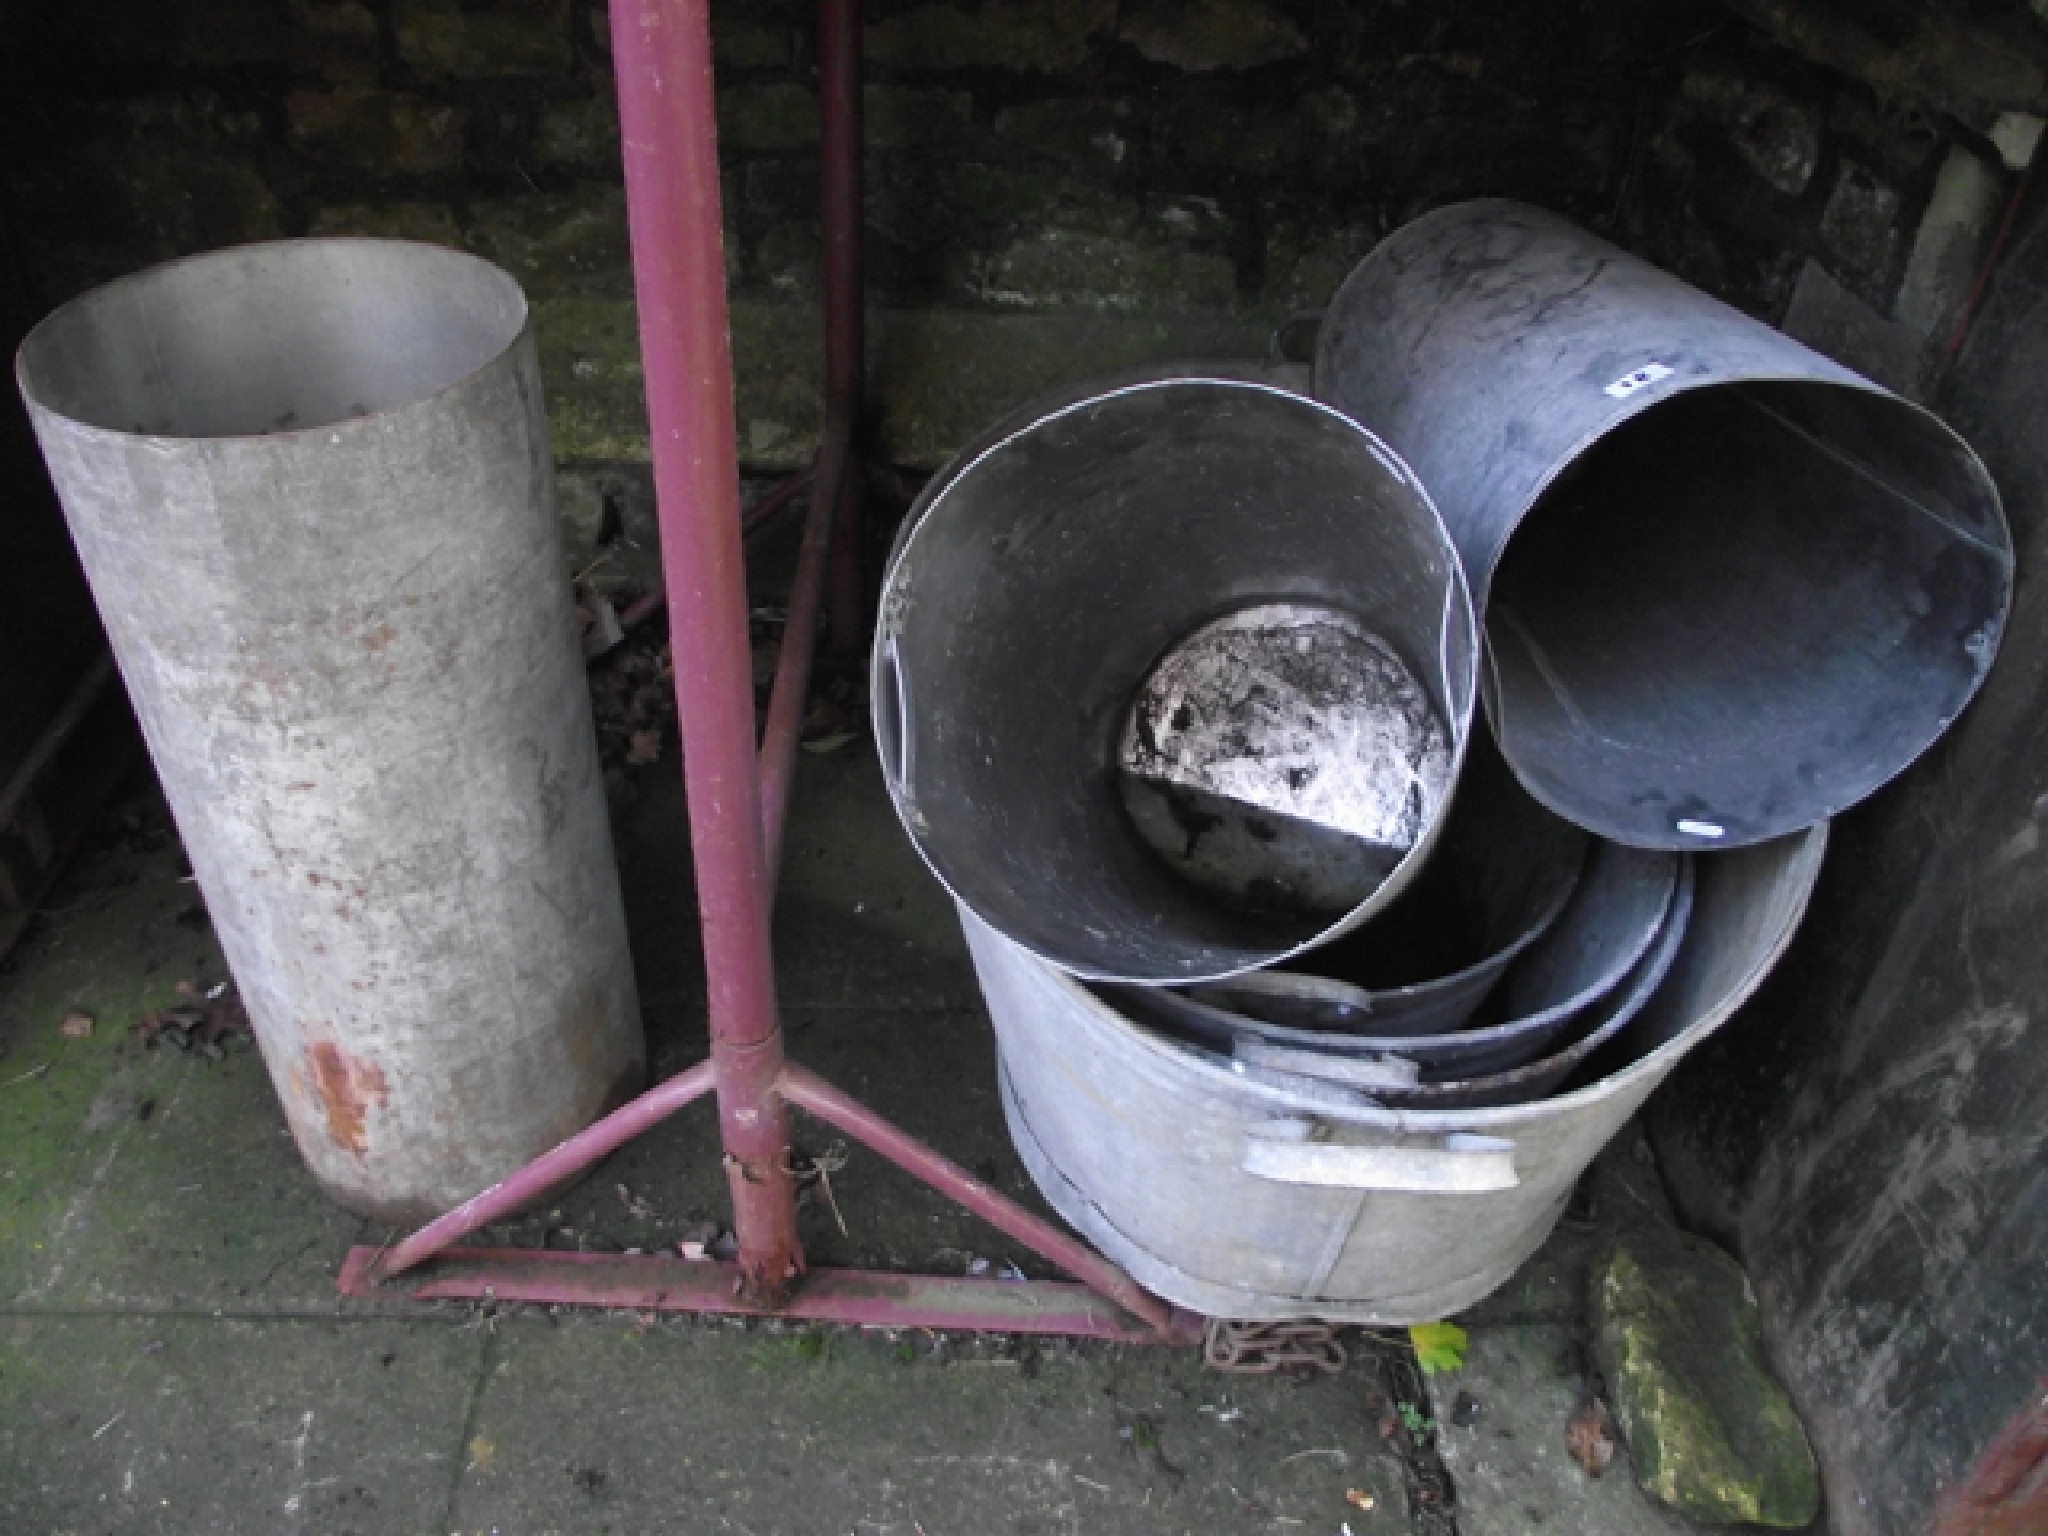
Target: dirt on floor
x=174, y=1356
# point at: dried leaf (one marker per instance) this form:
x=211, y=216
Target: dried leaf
x=1590, y=1436
x=1360, y=1497
x=1438, y=1346
x=76, y=1025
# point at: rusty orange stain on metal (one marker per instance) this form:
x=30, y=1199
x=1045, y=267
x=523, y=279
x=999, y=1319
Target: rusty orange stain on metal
x=348, y=1090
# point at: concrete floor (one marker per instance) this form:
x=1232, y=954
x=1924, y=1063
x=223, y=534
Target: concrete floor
x=174, y=1357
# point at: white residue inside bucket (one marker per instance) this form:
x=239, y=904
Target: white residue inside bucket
x=1284, y=758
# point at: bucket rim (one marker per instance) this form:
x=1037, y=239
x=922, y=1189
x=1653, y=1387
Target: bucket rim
x=1805, y=849
x=38, y=338
x=1461, y=684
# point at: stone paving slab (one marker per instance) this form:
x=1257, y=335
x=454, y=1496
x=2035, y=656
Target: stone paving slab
x=859, y=920
x=133, y=1177
x=1512, y=1470
x=599, y=1425
x=180, y=1189
x=201, y=1425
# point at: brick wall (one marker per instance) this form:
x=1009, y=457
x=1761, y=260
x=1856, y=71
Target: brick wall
x=1055, y=187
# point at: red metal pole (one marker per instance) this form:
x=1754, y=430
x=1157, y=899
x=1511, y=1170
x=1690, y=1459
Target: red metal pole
x=662, y=54
x=839, y=76
x=641, y=609
x=784, y=729
x=809, y=1091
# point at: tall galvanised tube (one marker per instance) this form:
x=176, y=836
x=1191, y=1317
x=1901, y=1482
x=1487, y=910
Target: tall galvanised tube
x=311, y=487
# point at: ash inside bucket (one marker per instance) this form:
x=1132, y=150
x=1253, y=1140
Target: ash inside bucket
x=1283, y=758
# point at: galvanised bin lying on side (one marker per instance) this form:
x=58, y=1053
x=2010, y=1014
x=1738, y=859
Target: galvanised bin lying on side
x=1728, y=587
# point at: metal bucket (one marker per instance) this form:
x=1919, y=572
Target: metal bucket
x=1394, y=1081
x=310, y=484
x=1240, y=1199
x=1501, y=873
x=1583, y=1034
x=1616, y=912
x=1046, y=584
x=1729, y=588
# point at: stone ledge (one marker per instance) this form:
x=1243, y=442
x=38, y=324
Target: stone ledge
x=936, y=376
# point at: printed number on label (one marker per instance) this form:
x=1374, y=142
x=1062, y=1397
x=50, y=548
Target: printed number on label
x=1642, y=378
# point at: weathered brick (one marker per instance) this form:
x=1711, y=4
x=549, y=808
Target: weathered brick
x=1292, y=144
x=590, y=359
x=1860, y=223
x=335, y=40
x=1071, y=130
x=1775, y=134
x=766, y=119
x=579, y=135
x=590, y=365
x=1005, y=198
x=138, y=181
x=558, y=244
x=943, y=375
x=1305, y=264
x=790, y=257
x=375, y=132
x=895, y=118
x=938, y=375
x=200, y=202
x=464, y=40
x=737, y=43
x=1040, y=36
x=1061, y=268
x=1203, y=35
x=431, y=222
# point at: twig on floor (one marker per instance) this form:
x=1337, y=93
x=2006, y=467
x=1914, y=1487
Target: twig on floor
x=1343, y=1457
x=270, y=1274
x=31, y=1072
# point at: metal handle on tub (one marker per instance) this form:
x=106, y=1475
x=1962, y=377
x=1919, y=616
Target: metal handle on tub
x=1464, y=1164
x=892, y=720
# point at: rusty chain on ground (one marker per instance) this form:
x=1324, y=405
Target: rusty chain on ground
x=1259, y=1349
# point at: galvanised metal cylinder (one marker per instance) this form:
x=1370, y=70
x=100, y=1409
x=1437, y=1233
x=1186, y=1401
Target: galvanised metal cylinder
x=311, y=488
x=1729, y=588
x=1078, y=551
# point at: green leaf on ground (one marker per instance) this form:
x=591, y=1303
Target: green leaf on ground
x=1438, y=1346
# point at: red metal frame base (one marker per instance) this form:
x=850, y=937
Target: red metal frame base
x=856, y=1298
x=872, y=1300
x=739, y=796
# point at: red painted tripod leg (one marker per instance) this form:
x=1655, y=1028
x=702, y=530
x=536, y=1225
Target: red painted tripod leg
x=809, y=1091
x=784, y=729
x=662, y=54
x=587, y=1147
